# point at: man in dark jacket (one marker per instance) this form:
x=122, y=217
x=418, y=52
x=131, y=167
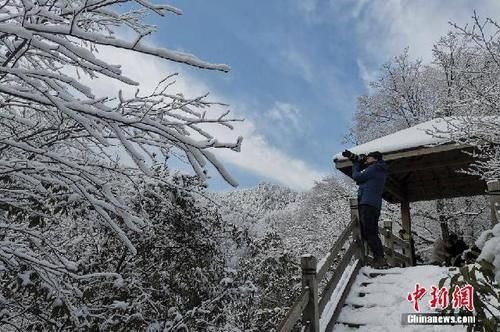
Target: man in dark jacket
x=371, y=182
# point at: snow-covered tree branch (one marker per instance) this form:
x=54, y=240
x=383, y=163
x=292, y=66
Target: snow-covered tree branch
x=473, y=53
x=60, y=177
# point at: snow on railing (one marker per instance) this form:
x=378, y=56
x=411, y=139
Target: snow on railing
x=348, y=275
x=310, y=305
x=393, y=243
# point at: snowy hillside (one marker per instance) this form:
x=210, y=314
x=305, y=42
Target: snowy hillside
x=306, y=222
x=251, y=207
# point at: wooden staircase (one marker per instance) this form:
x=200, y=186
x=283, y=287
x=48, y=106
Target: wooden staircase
x=344, y=294
x=327, y=284
x=368, y=294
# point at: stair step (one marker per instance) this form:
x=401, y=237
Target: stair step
x=377, y=274
x=392, y=270
x=374, y=274
x=350, y=324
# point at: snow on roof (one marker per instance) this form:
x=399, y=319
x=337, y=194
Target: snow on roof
x=410, y=138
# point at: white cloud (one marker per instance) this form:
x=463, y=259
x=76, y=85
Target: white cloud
x=286, y=116
x=308, y=8
x=299, y=63
x=368, y=75
x=260, y=157
x=385, y=28
x=257, y=155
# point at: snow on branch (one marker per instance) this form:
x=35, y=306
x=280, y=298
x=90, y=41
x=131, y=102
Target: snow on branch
x=62, y=172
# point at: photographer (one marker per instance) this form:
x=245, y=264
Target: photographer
x=371, y=182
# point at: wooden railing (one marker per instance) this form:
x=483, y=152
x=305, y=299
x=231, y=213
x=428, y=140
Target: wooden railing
x=310, y=304
x=496, y=211
x=397, y=250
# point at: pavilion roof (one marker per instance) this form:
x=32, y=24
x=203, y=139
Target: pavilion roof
x=423, y=165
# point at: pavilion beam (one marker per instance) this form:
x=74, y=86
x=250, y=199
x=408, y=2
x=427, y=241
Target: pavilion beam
x=423, y=151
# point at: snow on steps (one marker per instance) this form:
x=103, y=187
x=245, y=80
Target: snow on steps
x=378, y=298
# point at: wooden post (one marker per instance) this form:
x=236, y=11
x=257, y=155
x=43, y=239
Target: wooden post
x=310, y=315
x=356, y=231
x=445, y=231
x=406, y=223
x=388, y=240
x=494, y=193
x=443, y=223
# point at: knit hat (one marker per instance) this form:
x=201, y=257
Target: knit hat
x=375, y=154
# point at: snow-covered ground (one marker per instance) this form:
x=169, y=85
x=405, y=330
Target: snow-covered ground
x=385, y=299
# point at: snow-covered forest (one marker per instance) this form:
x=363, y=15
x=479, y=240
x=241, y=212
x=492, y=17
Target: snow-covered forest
x=89, y=242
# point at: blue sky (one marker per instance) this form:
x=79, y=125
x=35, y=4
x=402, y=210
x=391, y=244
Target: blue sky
x=297, y=68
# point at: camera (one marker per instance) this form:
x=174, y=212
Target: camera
x=354, y=157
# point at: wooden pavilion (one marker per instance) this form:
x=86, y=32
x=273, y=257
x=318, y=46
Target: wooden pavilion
x=422, y=167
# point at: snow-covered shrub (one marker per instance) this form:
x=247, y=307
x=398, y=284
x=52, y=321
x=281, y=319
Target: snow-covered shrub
x=486, y=305
x=179, y=261
x=272, y=277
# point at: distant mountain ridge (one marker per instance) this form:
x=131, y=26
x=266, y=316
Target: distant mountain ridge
x=259, y=200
